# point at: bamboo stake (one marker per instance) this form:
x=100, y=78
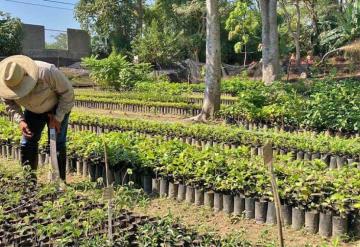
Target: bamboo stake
x=268, y=160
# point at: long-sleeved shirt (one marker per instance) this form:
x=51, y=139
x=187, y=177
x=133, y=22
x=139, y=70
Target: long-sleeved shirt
x=52, y=88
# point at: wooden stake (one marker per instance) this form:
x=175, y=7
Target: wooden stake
x=108, y=195
x=268, y=160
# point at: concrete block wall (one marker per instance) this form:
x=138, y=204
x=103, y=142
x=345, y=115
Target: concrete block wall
x=34, y=46
x=78, y=42
x=34, y=38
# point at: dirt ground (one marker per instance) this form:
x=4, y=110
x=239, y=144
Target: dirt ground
x=205, y=220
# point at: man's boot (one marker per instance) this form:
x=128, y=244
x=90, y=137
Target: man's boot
x=62, y=162
x=29, y=157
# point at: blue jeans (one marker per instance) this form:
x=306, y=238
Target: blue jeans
x=30, y=146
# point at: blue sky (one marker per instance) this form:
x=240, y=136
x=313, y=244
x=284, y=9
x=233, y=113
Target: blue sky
x=58, y=19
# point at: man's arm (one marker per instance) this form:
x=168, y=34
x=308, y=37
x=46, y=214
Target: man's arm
x=14, y=109
x=65, y=92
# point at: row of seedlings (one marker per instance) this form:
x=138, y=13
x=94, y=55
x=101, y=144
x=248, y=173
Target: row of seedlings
x=10, y=150
x=187, y=99
x=334, y=161
x=139, y=108
x=200, y=101
x=262, y=211
x=95, y=170
x=251, y=125
x=324, y=223
x=164, y=110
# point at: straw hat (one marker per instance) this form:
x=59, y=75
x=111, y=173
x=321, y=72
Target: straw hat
x=18, y=76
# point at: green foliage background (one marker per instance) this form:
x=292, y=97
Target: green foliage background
x=10, y=35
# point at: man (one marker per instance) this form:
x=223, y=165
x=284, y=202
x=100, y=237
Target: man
x=47, y=97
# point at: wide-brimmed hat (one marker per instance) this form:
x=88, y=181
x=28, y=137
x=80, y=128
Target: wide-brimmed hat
x=18, y=76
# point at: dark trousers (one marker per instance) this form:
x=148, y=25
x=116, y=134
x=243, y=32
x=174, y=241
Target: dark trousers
x=30, y=146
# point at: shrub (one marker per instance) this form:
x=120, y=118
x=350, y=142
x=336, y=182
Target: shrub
x=115, y=72
x=10, y=35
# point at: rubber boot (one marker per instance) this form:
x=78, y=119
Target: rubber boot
x=62, y=162
x=29, y=157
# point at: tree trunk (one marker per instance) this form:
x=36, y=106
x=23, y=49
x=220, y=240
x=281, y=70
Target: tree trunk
x=297, y=34
x=270, y=41
x=245, y=55
x=213, y=63
x=311, y=7
x=140, y=16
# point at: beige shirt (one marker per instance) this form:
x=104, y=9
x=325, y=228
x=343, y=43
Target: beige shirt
x=52, y=89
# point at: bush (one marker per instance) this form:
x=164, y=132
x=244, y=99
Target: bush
x=10, y=35
x=115, y=72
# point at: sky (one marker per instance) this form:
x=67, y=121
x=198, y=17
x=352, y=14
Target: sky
x=51, y=18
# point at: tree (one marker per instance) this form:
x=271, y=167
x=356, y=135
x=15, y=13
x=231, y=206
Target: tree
x=189, y=18
x=157, y=46
x=293, y=20
x=192, y=14
x=100, y=46
x=59, y=43
x=140, y=16
x=213, y=63
x=117, y=21
x=11, y=35
x=311, y=7
x=341, y=28
x=270, y=41
x=242, y=24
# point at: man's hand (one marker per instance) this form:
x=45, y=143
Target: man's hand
x=25, y=129
x=54, y=124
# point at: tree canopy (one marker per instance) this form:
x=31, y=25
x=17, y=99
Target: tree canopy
x=10, y=35
x=178, y=28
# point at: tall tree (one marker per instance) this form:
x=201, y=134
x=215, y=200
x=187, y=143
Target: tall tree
x=192, y=15
x=243, y=24
x=311, y=7
x=115, y=20
x=213, y=63
x=140, y=16
x=270, y=41
x=293, y=20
